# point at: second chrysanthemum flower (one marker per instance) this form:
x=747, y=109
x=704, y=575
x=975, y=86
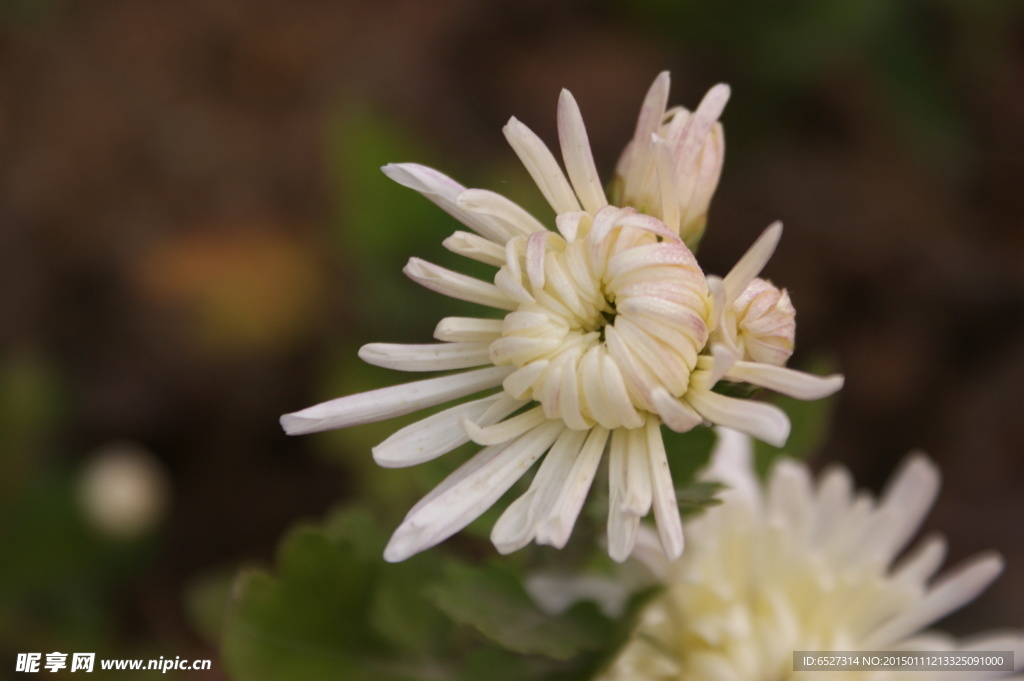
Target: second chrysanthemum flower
x=611, y=330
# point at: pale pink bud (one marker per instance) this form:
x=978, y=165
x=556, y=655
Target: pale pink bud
x=765, y=323
x=678, y=187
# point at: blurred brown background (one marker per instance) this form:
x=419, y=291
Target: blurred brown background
x=195, y=237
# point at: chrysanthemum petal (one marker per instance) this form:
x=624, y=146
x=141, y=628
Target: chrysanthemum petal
x=426, y=357
x=443, y=191
x=953, y=590
x=542, y=166
x=905, y=502
x=921, y=563
x=764, y=421
x=630, y=493
x=476, y=248
x=536, y=250
x=468, y=492
x=790, y=382
x=568, y=224
x=699, y=125
x=514, y=217
x=555, y=529
x=440, y=433
x=752, y=262
x=676, y=414
x=732, y=465
x=456, y=285
x=467, y=330
x=579, y=161
x=518, y=525
x=385, y=403
x=666, y=508
x=652, y=111
x=668, y=183
x=507, y=430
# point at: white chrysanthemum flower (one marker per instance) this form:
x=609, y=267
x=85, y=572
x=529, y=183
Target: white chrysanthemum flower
x=671, y=166
x=608, y=333
x=801, y=565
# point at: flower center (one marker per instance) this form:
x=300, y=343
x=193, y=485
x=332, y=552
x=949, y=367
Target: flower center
x=608, y=320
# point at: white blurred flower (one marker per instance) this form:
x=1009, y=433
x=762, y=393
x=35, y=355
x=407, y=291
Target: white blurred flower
x=608, y=333
x=802, y=565
x=123, y=490
x=670, y=168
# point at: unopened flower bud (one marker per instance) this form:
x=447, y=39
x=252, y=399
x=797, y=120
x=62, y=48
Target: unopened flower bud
x=765, y=323
x=677, y=187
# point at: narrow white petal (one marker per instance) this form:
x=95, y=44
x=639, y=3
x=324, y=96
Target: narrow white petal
x=509, y=213
x=443, y=191
x=520, y=382
x=649, y=223
x=508, y=429
x=542, y=166
x=699, y=125
x=568, y=224
x=569, y=402
x=385, y=403
x=789, y=499
x=668, y=183
x=468, y=492
x=676, y=414
x=428, y=357
x=666, y=507
x=593, y=391
x=649, y=551
x=752, y=262
x=565, y=509
x=475, y=247
x=623, y=526
x=623, y=522
x=536, y=249
x=455, y=285
x=716, y=288
x=764, y=421
x=652, y=111
x=518, y=525
x=918, y=566
x=636, y=493
x=467, y=330
x=579, y=161
x=952, y=591
x=433, y=436
x=833, y=498
x=786, y=381
x=907, y=500
x=732, y=464
x=604, y=221
x=725, y=361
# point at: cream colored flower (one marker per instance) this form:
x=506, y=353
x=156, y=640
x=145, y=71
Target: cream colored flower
x=671, y=166
x=608, y=332
x=801, y=565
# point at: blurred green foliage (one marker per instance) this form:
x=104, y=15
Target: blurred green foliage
x=905, y=59
x=334, y=609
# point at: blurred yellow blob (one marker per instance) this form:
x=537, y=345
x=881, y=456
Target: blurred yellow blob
x=238, y=289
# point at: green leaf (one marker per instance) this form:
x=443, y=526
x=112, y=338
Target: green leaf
x=698, y=496
x=493, y=601
x=328, y=611
x=688, y=452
